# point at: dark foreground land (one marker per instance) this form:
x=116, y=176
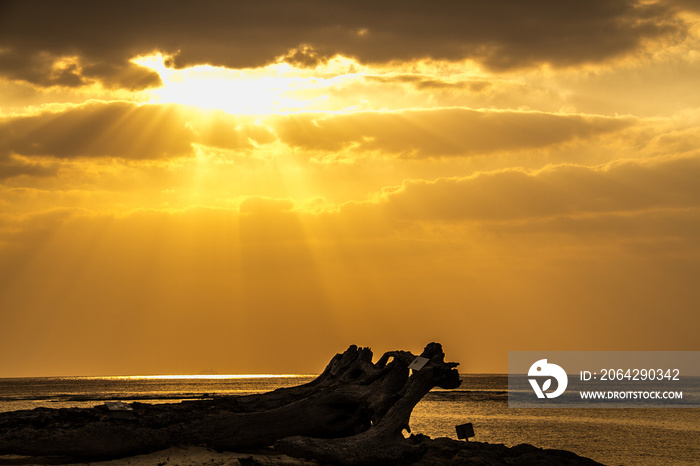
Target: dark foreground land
x=354, y=413
x=441, y=451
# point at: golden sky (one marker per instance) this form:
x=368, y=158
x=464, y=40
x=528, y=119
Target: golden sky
x=253, y=186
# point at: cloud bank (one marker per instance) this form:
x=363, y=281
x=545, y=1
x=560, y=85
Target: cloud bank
x=93, y=42
x=124, y=130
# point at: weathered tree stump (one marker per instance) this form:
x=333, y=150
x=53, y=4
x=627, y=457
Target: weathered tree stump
x=384, y=442
x=353, y=413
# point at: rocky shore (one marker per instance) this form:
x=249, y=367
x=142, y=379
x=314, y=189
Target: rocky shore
x=353, y=414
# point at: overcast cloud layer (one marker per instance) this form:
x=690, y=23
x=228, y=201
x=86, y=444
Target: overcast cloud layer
x=101, y=38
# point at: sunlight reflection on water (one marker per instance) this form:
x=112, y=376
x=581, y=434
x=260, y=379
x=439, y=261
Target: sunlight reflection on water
x=610, y=436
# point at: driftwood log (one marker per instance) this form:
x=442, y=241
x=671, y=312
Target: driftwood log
x=353, y=413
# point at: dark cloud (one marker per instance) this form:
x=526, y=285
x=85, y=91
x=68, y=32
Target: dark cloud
x=11, y=167
x=123, y=130
x=53, y=68
x=99, y=130
x=37, y=37
x=443, y=132
x=424, y=83
x=304, y=57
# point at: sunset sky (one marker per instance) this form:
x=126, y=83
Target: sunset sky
x=253, y=186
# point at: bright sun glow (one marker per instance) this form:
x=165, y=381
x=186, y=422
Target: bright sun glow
x=203, y=376
x=276, y=88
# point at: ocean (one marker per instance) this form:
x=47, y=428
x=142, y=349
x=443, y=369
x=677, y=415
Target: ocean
x=624, y=436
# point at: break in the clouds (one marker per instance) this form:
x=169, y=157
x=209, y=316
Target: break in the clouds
x=81, y=42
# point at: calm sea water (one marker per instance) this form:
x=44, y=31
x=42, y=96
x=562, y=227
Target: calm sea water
x=650, y=436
